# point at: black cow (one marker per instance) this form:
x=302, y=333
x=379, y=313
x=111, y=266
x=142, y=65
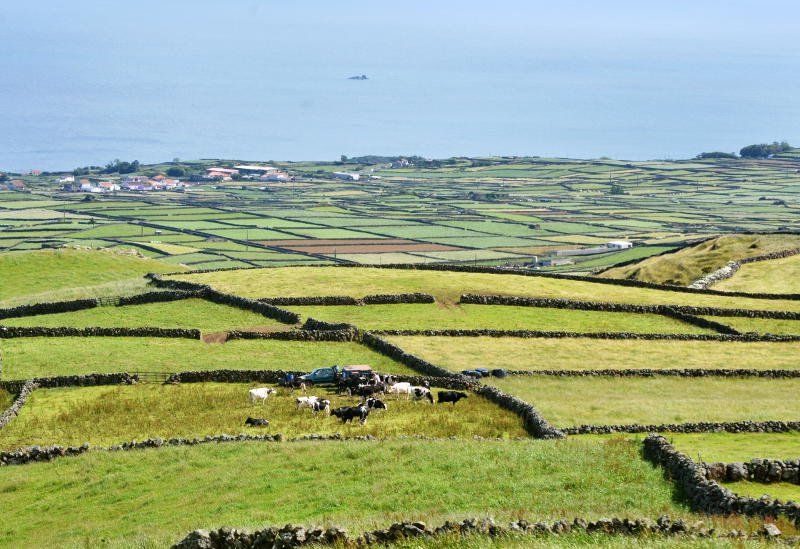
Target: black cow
x=293, y=384
x=375, y=404
x=256, y=421
x=451, y=396
x=368, y=390
x=347, y=413
x=418, y=393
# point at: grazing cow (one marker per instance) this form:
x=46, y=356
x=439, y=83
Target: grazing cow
x=347, y=413
x=321, y=405
x=293, y=384
x=451, y=396
x=418, y=393
x=375, y=404
x=306, y=402
x=402, y=387
x=367, y=390
x=261, y=393
x=256, y=421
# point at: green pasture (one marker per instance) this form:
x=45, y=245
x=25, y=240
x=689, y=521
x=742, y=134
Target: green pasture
x=785, y=491
x=381, y=258
x=513, y=353
x=448, y=286
x=25, y=358
x=566, y=402
x=53, y=275
x=759, y=325
x=780, y=276
x=187, y=313
x=113, y=230
x=250, y=234
x=6, y=399
x=438, y=317
x=730, y=447
x=152, y=498
x=109, y=415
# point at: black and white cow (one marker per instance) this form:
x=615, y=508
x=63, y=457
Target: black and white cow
x=347, y=413
x=375, y=404
x=254, y=421
x=451, y=396
x=419, y=393
x=321, y=405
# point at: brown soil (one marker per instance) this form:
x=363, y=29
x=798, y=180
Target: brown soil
x=216, y=337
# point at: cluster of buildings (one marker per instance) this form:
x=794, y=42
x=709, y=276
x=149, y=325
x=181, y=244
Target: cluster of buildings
x=243, y=172
x=133, y=183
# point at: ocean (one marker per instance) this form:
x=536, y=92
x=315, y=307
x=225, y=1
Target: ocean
x=89, y=81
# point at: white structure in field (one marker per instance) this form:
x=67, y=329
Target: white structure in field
x=619, y=244
x=346, y=176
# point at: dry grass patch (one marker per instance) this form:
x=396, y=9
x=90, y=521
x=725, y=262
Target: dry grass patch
x=778, y=276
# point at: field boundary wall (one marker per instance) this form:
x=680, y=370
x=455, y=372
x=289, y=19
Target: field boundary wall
x=8, y=332
x=763, y=471
x=297, y=335
x=81, y=380
x=692, y=427
x=705, y=495
x=672, y=372
x=732, y=267
x=22, y=396
x=590, y=335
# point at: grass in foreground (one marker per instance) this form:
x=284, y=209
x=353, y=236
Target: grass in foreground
x=447, y=287
x=186, y=313
x=606, y=400
x=109, y=415
x=160, y=495
x=728, y=447
x=6, y=399
x=689, y=264
x=778, y=276
x=68, y=274
x=467, y=317
x=759, y=325
x=777, y=490
x=515, y=353
x=25, y=358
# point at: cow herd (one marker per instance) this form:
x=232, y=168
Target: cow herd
x=367, y=391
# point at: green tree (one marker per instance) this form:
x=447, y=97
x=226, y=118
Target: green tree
x=176, y=171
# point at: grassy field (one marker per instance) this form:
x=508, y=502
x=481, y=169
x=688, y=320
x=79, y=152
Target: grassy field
x=6, y=399
x=108, y=415
x=728, y=447
x=514, y=353
x=685, y=266
x=42, y=275
x=156, y=497
x=25, y=358
x=760, y=325
x=776, y=275
x=604, y=400
x=447, y=287
x=439, y=317
x=777, y=490
x=186, y=313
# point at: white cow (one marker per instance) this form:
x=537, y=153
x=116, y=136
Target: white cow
x=402, y=387
x=261, y=393
x=306, y=402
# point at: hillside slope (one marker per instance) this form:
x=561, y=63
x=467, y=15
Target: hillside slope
x=688, y=264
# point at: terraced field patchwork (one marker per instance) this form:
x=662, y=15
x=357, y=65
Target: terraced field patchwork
x=448, y=286
x=25, y=358
x=607, y=400
x=438, y=317
x=513, y=353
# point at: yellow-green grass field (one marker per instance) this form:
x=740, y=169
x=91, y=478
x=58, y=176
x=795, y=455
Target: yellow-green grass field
x=152, y=498
x=186, y=313
x=447, y=287
x=25, y=358
x=729, y=447
x=6, y=399
x=499, y=317
x=583, y=353
x=780, y=276
x=777, y=490
x=760, y=325
x=108, y=415
x=567, y=402
x=57, y=275
x=689, y=264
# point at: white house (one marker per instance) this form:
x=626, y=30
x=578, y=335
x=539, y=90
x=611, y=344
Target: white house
x=347, y=176
x=619, y=244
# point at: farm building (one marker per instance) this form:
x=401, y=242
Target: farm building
x=619, y=244
x=346, y=176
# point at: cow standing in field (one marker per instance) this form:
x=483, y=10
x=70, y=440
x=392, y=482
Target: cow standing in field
x=321, y=405
x=375, y=404
x=402, y=387
x=306, y=402
x=420, y=393
x=261, y=393
x=451, y=396
x=348, y=413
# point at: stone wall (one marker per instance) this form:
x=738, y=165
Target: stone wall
x=7, y=332
x=311, y=301
x=85, y=380
x=750, y=337
x=536, y=425
x=731, y=267
x=705, y=495
x=697, y=427
x=12, y=411
x=393, y=299
x=314, y=324
x=156, y=297
x=298, y=335
x=48, y=308
x=765, y=471
x=672, y=372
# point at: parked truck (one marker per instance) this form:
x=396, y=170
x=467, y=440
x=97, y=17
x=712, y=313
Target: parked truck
x=333, y=374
